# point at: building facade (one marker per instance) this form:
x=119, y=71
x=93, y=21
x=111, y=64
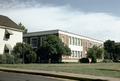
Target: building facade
x=77, y=43
x=10, y=34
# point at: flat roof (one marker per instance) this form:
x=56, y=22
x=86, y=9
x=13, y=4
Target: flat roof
x=38, y=33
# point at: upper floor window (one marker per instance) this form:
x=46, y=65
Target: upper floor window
x=7, y=34
x=34, y=42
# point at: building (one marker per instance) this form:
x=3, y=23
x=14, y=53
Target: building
x=77, y=43
x=10, y=34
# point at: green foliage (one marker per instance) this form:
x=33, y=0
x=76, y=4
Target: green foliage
x=84, y=60
x=112, y=50
x=0, y=59
x=109, y=46
x=53, y=49
x=22, y=27
x=107, y=61
x=24, y=53
x=94, y=53
x=117, y=52
x=6, y=59
x=67, y=50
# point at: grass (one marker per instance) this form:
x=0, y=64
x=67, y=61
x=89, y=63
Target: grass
x=98, y=69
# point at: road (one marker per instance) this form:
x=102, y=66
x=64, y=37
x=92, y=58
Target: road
x=8, y=76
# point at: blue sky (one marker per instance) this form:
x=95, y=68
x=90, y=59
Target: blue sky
x=99, y=19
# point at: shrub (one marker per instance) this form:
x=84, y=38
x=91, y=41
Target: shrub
x=107, y=61
x=0, y=59
x=7, y=59
x=84, y=60
x=24, y=53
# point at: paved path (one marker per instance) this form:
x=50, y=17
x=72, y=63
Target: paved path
x=61, y=74
x=9, y=76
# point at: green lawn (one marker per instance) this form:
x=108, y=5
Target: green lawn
x=98, y=69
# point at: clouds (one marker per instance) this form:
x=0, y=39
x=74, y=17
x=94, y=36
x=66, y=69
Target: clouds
x=99, y=25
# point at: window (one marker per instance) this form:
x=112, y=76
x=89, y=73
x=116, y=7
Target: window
x=72, y=53
x=75, y=53
x=70, y=40
x=6, y=51
x=7, y=48
x=79, y=54
x=34, y=42
x=78, y=42
x=25, y=40
x=7, y=34
x=73, y=40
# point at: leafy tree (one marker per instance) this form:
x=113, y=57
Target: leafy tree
x=24, y=53
x=95, y=53
x=117, y=52
x=109, y=46
x=53, y=48
x=22, y=27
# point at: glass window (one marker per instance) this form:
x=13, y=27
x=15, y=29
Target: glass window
x=6, y=51
x=7, y=36
x=75, y=41
x=72, y=54
x=72, y=40
x=34, y=42
x=78, y=42
x=79, y=55
x=75, y=53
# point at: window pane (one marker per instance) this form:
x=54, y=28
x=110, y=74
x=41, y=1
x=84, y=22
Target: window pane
x=34, y=42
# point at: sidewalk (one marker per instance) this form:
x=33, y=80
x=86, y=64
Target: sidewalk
x=65, y=75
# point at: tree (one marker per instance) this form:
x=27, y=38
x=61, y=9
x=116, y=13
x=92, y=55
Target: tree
x=22, y=27
x=117, y=52
x=109, y=46
x=53, y=48
x=95, y=53
x=24, y=53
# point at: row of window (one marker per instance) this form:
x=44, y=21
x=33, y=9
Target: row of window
x=74, y=41
x=76, y=54
x=34, y=41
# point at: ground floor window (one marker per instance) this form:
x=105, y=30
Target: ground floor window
x=7, y=48
x=76, y=54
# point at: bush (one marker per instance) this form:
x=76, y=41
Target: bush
x=24, y=53
x=84, y=60
x=0, y=59
x=7, y=59
x=107, y=61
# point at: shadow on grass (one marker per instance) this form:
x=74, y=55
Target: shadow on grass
x=84, y=79
x=109, y=70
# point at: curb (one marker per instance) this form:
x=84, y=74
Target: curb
x=55, y=74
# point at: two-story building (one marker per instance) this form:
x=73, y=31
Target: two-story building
x=77, y=43
x=10, y=34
